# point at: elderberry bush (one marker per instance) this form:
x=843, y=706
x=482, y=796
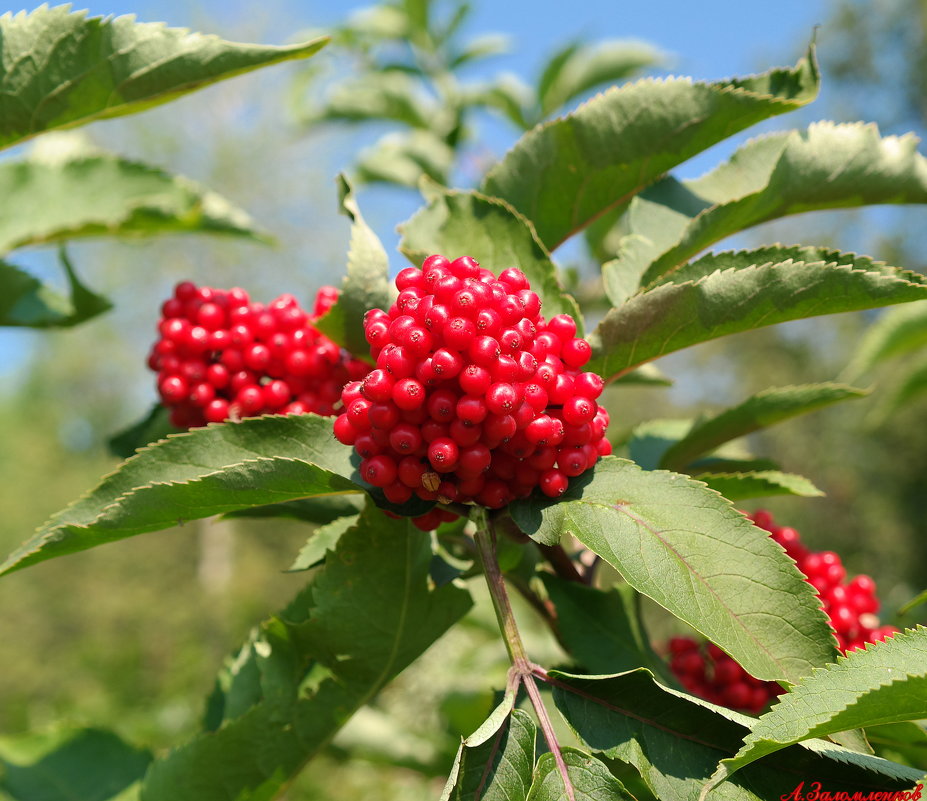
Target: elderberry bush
x=483, y=403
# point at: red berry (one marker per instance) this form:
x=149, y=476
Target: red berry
x=380, y=471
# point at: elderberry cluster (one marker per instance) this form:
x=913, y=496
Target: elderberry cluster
x=475, y=396
x=220, y=356
x=705, y=670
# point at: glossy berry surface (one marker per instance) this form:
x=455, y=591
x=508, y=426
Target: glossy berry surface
x=480, y=398
x=706, y=671
x=221, y=357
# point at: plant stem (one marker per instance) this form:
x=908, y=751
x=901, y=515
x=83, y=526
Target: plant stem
x=561, y=562
x=523, y=670
x=486, y=548
x=549, y=735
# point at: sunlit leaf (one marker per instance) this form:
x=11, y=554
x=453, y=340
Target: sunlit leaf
x=61, y=69
x=735, y=298
x=565, y=173
x=456, y=223
x=687, y=548
x=884, y=683
x=207, y=471
x=828, y=166
x=46, y=200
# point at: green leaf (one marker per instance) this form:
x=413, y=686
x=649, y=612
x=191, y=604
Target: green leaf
x=510, y=95
x=885, y=683
x=564, y=174
x=154, y=426
x=910, y=385
x=759, y=411
x=62, y=69
x=652, y=438
x=495, y=763
x=687, y=548
x=365, y=287
x=590, y=66
x=26, y=301
x=323, y=539
x=906, y=740
x=654, y=221
x=388, y=95
x=726, y=301
x=916, y=601
x=480, y=47
x=69, y=765
x=404, y=158
x=207, y=471
x=49, y=199
x=674, y=740
x=602, y=629
x=896, y=332
x=591, y=780
x=828, y=166
x=759, y=484
x=321, y=510
x=711, y=263
x=554, y=66
x=367, y=614
x=456, y=223
x=718, y=464
x=647, y=375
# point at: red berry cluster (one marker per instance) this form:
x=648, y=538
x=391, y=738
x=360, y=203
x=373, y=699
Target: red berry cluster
x=706, y=671
x=221, y=356
x=475, y=397
x=851, y=606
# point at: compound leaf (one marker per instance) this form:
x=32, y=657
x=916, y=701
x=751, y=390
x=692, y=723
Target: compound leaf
x=207, y=471
x=366, y=615
x=61, y=69
x=754, y=291
x=565, y=173
x=687, y=548
x=884, y=683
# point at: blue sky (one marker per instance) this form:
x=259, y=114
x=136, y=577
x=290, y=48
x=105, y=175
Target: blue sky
x=707, y=39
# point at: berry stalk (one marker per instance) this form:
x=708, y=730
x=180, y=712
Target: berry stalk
x=523, y=671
